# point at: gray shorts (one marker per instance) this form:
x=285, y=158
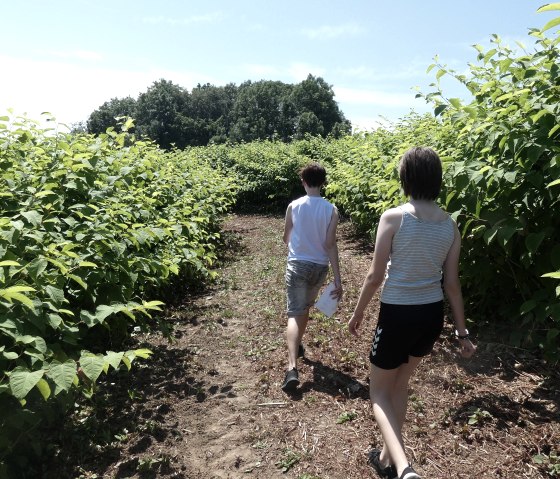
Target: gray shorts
x=303, y=282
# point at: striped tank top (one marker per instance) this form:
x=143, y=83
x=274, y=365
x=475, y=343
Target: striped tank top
x=418, y=252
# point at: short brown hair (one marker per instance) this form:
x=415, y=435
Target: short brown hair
x=420, y=173
x=313, y=174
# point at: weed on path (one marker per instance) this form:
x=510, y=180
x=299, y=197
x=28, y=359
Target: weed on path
x=209, y=405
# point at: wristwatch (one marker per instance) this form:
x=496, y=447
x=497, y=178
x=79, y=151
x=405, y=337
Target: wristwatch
x=464, y=336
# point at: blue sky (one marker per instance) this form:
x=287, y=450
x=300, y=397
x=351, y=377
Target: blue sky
x=69, y=57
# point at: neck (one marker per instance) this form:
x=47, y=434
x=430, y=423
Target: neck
x=311, y=191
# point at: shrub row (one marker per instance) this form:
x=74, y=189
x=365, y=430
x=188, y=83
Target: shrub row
x=91, y=228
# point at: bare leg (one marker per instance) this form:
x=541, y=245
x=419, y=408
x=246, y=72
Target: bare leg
x=389, y=396
x=294, y=333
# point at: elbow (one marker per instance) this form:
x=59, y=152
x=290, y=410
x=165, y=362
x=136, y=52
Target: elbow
x=373, y=281
x=330, y=245
x=452, y=288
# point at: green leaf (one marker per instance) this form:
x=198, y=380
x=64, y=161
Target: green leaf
x=555, y=275
x=438, y=110
x=553, y=130
x=533, y=241
x=78, y=280
x=455, y=102
x=549, y=7
x=16, y=289
x=114, y=359
x=539, y=114
x=36, y=267
x=554, y=183
x=55, y=294
x=22, y=380
x=527, y=306
x=127, y=362
x=142, y=353
x=87, y=264
x=33, y=217
x=554, y=22
x=155, y=305
x=54, y=320
x=62, y=374
x=92, y=365
x=9, y=263
x=44, y=388
x=440, y=73
x=14, y=293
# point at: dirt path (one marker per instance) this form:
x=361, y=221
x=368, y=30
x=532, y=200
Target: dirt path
x=208, y=405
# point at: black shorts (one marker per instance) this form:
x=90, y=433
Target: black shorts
x=403, y=331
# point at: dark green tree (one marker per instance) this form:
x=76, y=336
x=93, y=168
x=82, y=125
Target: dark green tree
x=209, y=108
x=162, y=115
x=263, y=110
x=106, y=115
x=315, y=95
x=256, y=113
x=308, y=124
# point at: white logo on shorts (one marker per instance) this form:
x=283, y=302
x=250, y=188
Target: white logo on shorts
x=376, y=341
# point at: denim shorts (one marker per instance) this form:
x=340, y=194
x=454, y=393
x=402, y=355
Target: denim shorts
x=303, y=282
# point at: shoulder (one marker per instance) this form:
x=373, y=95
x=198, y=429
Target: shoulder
x=392, y=216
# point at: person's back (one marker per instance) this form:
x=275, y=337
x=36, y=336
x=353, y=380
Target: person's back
x=310, y=233
x=415, y=245
x=419, y=249
x=311, y=216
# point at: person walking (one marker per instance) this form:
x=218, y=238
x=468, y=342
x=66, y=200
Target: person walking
x=310, y=233
x=416, y=252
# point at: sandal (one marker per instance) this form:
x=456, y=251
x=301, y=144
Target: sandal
x=388, y=472
x=409, y=473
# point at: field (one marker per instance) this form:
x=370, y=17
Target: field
x=208, y=403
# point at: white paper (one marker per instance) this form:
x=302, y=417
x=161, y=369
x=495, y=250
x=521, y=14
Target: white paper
x=326, y=303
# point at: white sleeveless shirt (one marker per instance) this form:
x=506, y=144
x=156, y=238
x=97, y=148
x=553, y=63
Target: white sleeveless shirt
x=311, y=216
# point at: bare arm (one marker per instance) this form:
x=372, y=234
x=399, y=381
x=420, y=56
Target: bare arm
x=452, y=287
x=332, y=252
x=288, y=225
x=388, y=226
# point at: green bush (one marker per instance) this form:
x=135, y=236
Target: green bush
x=90, y=228
x=504, y=188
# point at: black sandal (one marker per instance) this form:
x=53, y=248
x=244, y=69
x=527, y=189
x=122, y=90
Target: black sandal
x=387, y=472
x=409, y=473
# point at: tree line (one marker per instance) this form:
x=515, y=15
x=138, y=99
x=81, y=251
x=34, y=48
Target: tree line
x=265, y=110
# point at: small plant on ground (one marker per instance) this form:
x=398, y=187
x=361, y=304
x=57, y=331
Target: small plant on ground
x=346, y=416
x=290, y=459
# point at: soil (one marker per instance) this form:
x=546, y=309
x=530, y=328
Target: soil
x=208, y=404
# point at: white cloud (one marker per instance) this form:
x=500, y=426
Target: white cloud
x=294, y=72
x=262, y=71
x=71, y=92
x=75, y=55
x=373, y=97
x=206, y=18
x=333, y=31
x=300, y=71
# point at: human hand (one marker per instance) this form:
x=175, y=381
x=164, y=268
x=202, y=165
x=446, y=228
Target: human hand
x=354, y=323
x=467, y=347
x=336, y=293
